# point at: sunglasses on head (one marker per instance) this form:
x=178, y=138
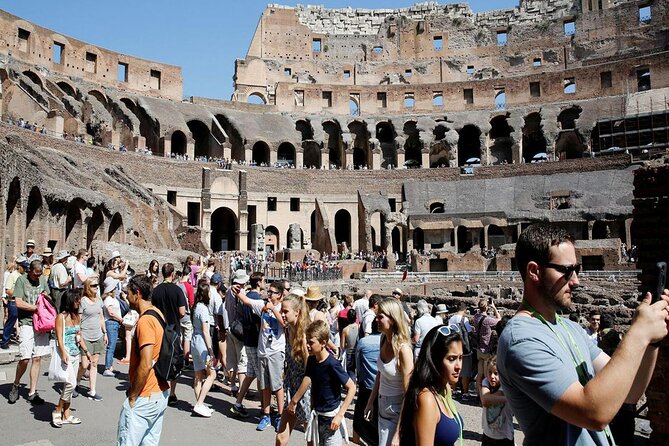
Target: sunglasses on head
x=447, y=330
x=567, y=270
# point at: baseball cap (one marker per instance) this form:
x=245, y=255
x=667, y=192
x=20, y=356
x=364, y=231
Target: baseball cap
x=216, y=278
x=240, y=277
x=30, y=242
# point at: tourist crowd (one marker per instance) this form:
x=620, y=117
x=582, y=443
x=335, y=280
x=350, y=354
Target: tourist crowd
x=313, y=353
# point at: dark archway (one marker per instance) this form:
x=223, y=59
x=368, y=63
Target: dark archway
x=440, y=151
x=95, y=227
x=312, y=225
x=312, y=154
x=570, y=145
x=67, y=89
x=13, y=208
x=304, y=127
x=34, y=77
x=361, y=142
x=234, y=138
x=379, y=242
x=418, y=239
x=464, y=239
x=272, y=240
x=412, y=146
x=35, y=202
x=396, y=240
x=179, y=143
x=567, y=117
x=385, y=133
x=149, y=128
x=74, y=223
x=501, y=151
x=437, y=207
x=336, y=155
x=496, y=237
x=469, y=144
x=286, y=154
x=534, y=141
x=223, y=230
x=260, y=153
x=99, y=97
x=343, y=227
x=202, y=136
x=600, y=230
x=116, y=229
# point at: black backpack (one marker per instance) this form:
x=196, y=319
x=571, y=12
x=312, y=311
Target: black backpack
x=171, y=357
x=469, y=341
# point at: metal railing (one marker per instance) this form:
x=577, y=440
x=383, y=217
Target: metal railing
x=502, y=275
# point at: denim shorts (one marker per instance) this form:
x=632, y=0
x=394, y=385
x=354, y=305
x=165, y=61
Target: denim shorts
x=142, y=424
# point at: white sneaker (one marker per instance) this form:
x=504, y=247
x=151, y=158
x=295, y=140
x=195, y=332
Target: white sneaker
x=202, y=410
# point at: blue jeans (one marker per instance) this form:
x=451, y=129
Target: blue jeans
x=12, y=316
x=112, y=336
x=142, y=424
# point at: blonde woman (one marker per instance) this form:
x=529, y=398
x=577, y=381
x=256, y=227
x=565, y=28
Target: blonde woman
x=94, y=333
x=395, y=365
x=295, y=314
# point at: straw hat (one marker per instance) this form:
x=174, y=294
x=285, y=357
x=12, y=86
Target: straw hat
x=313, y=294
x=441, y=308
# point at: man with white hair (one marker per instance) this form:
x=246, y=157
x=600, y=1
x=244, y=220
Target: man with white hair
x=234, y=349
x=424, y=323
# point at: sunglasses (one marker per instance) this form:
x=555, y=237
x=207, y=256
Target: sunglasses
x=94, y=285
x=567, y=270
x=272, y=292
x=447, y=330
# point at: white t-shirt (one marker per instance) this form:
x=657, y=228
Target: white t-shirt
x=111, y=304
x=497, y=421
x=367, y=320
x=271, y=339
x=215, y=305
x=58, y=275
x=79, y=269
x=360, y=306
x=422, y=325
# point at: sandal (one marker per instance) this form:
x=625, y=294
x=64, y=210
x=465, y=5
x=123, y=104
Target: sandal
x=72, y=420
x=56, y=419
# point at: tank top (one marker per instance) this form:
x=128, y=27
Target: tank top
x=351, y=340
x=447, y=431
x=70, y=338
x=391, y=379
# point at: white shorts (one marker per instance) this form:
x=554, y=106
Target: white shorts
x=186, y=328
x=32, y=344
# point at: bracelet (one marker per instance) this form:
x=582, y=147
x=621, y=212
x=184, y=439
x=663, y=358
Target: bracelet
x=86, y=352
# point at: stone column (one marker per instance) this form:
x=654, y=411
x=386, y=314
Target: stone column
x=167, y=148
x=376, y=160
x=139, y=143
x=400, y=158
x=591, y=223
x=272, y=157
x=227, y=150
x=299, y=160
x=349, y=159
x=628, y=231
x=425, y=159
x=485, y=236
x=325, y=159
x=190, y=150
x=248, y=153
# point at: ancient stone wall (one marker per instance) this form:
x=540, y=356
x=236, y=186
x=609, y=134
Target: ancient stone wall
x=52, y=53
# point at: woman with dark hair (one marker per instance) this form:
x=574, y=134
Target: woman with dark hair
x=202, y=349
x=154, y=269
x=429, y=415
x=349, y=339
x=69, y=344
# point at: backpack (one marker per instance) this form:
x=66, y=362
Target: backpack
x=171, y=357
x=470, y=342
x=44, y=319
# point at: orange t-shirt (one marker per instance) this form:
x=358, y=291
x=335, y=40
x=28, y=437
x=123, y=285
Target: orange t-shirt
x=148, y=332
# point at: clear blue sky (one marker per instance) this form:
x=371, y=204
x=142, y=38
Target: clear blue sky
x=204, y=37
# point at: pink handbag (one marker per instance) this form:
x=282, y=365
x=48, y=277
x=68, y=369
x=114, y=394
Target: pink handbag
x=44, y=319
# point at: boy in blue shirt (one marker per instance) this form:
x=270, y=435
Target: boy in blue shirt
x=326, y=377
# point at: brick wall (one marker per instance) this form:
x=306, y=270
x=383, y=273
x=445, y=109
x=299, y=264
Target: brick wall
x=651, y=213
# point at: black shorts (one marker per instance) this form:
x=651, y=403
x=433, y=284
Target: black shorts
x=367, y=430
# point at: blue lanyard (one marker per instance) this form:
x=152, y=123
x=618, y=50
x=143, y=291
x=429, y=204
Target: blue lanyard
x=581, y=369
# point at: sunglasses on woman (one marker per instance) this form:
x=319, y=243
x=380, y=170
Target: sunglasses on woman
x=447, y=330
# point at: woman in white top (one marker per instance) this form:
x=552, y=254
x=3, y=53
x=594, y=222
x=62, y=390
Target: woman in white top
x=111, y=310
x=395, y=365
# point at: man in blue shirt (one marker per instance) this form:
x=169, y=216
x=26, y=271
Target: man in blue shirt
x=562, y=388
x=367, y=352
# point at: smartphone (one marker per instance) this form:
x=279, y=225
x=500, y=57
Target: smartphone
x=490, y=300
x=661, y=276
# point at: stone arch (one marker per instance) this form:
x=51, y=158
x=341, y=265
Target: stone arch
x=148, y=127
x=377, y=227
x=336, y=155
x=396, y=238
x=534, y=141
x=179, y=143
x=312, y=154
x=363, y=156
x=272, y=238
x=95, y=228
x=568, y=117
x=600, y=230
x=469, y=143
x=413, y=145
x=12, y=211
x=289, y=237
x=256, y=98
x=441, y=150
x=223, y=230
x=34, y=77
x=260, y=153
x=464, y=242
x=343, y=227
x=437, y=207
x=285, y=154
x=74, y=223
x=67, y=88
x=116, y=230
x=235, y=140
x=354, y=105
x=496, y=237
x=386, y=134
x=306, y=130
x=501, y=149
x=100, y=97
x=33, y=217
x=202, y=136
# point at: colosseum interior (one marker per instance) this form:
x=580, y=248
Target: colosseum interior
x=429, y=130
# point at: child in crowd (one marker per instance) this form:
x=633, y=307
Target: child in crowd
x=325, y=375
x=497, y=418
